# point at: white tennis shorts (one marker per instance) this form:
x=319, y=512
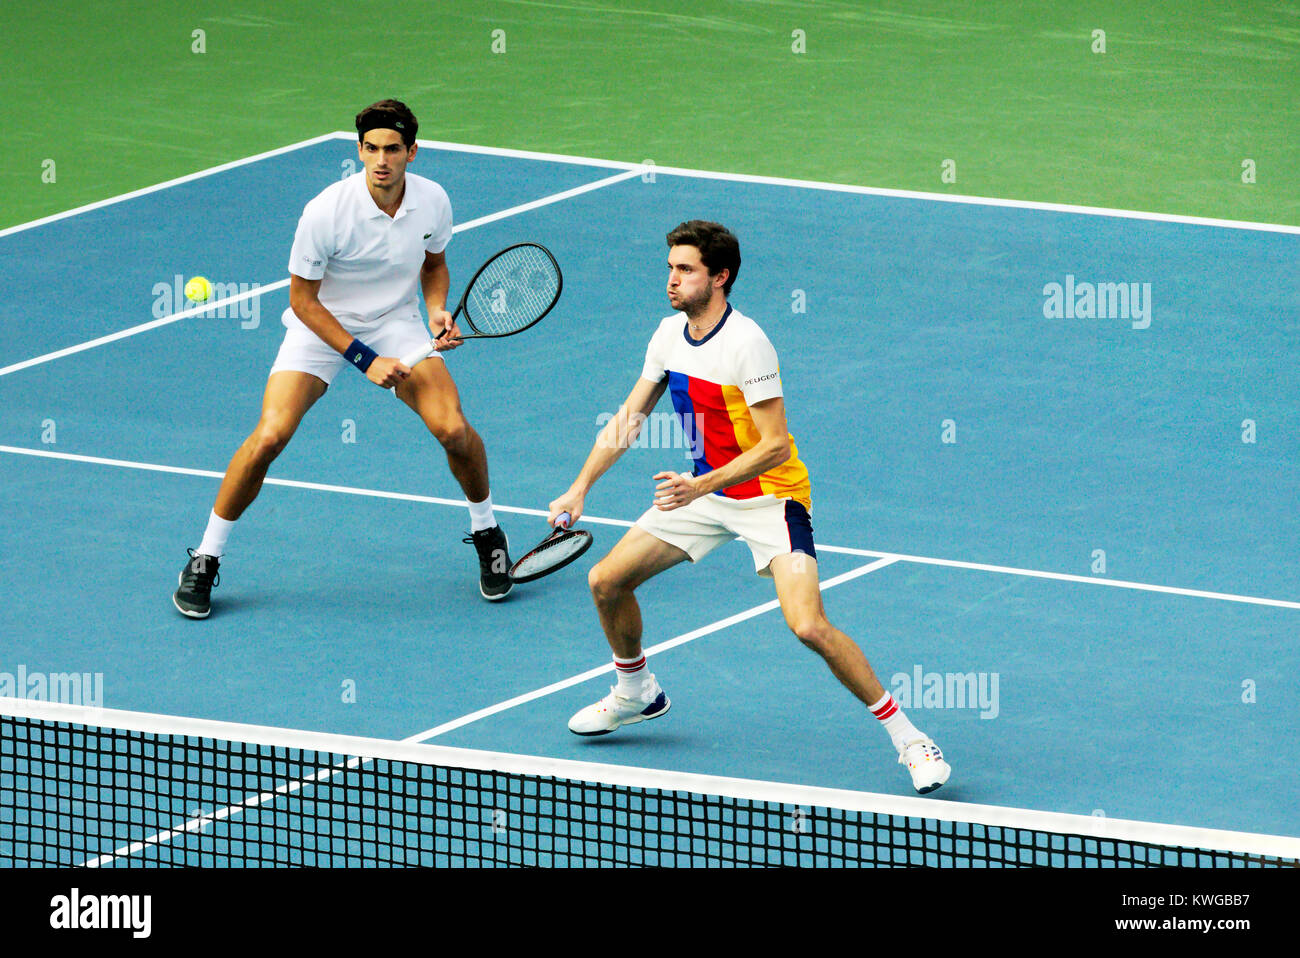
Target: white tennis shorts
x=770, y=526
x=305, y=352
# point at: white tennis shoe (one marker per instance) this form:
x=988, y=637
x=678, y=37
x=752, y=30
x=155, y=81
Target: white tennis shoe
x=615, y=711
x=924, y=760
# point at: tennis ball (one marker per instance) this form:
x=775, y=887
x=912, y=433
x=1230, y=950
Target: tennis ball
x=198, y=290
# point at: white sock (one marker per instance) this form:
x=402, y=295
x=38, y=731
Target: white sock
x=214, y=539
x=899, y=727
x=633, y=674
x=480, y=515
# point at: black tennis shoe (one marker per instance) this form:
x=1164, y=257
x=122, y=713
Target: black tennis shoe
x=194, y=597
x=494, y=582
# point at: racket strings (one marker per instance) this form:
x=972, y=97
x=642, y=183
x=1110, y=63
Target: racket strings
x=513, y=291
x=551, y=553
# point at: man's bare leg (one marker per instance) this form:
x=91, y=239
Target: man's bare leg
x=288, y=396
x=637, y=557
x=800, y=596
x=431, y=393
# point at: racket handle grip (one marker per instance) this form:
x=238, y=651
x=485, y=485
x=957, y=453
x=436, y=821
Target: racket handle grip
x=417, y=355
x=563, y=520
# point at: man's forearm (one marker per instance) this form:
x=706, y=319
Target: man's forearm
x=434, y=284
x=323, y=323
x=619, y=433
x=767, y=454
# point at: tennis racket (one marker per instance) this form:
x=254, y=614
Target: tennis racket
x=554, y=552
x=512, y=291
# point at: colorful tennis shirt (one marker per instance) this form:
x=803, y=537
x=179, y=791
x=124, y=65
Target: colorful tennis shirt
x=713, y=382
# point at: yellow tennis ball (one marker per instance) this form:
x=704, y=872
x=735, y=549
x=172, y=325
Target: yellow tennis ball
x=198, y=290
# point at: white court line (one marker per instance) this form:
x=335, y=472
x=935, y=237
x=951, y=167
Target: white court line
x=648, y=166
x=649, y=651
x=1067, y=577
x=290, y=483
x=898, y=556
x=521, y=154
x=202, y=821
x=547, y=200
x=269, y=287
x=143, y=327
x=210, y=171
x=324, y=774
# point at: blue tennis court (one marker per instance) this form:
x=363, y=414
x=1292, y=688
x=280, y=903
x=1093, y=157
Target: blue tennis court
x=1088, y=520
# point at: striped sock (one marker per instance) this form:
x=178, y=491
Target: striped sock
x=632, y=676
x=900, y=729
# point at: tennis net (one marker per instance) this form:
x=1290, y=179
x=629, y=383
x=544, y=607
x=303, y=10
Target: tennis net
x=97, y=787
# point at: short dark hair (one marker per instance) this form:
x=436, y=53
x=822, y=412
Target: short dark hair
x=388, y=115
x=719, y=249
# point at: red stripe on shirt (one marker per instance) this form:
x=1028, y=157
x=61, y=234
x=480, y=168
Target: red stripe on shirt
x=720, y=442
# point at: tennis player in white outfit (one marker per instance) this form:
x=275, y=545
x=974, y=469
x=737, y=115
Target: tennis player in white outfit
x=365, y=248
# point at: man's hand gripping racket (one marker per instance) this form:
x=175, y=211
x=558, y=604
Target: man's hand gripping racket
x=511, y=292
x=557, y=550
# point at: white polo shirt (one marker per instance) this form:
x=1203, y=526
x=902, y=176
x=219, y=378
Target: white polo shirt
x=368, y=262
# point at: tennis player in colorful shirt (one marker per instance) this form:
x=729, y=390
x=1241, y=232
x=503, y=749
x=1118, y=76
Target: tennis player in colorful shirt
x=365, y=248
x=748, y=483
